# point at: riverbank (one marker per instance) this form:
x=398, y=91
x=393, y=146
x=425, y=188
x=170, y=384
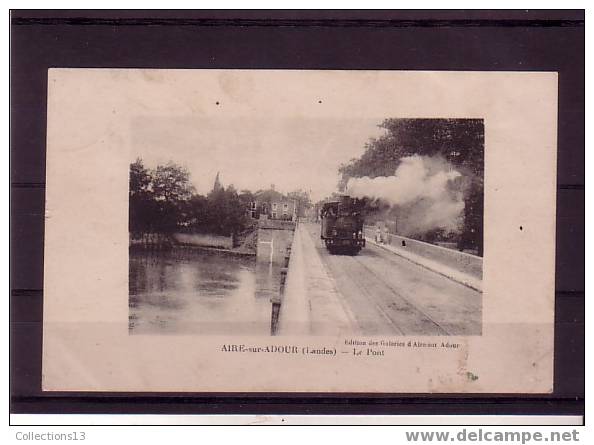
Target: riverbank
x=205, y=242
x=222, y=250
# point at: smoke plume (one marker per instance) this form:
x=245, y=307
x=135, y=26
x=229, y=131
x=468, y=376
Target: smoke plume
x=425, y=193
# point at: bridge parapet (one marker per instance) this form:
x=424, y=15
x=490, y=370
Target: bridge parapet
x=461, y=261
x=272, y=259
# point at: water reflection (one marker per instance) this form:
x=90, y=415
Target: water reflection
x=193, y=291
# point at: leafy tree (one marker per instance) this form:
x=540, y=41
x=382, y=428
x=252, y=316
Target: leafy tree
x=163, y=201
x=302, y=201
x=140, y=178
x=246, y=197
x=226, y=211
x=171, y=182
x=235, y=218
x=197, y=213
x=459, y=141
x=172, y=190
x=142, y=207
x=158, y=198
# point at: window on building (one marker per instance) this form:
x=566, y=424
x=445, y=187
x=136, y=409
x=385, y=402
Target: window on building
x=274, y=205
x=286, y=206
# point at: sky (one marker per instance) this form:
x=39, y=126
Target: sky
x=254, y=153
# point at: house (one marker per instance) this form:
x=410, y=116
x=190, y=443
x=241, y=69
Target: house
x=273, y=205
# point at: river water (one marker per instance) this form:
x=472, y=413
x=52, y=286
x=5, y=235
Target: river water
x=191, y=291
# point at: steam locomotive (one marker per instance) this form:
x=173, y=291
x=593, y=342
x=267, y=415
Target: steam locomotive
x=342, y=225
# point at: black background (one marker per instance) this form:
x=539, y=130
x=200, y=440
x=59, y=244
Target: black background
x=399, y=40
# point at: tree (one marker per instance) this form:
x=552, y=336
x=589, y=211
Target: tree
x=159, y=198
x=141, y=201
x=197, y=213
x=246, y=197
x=233, y=218
x=459, y=141
x=163, y=201
x=302, y=201
x=140, y=178
x=226, y=212
x=172, y=190
x=171, y=182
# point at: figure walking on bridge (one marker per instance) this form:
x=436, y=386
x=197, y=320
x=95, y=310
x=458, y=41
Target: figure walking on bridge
x=378, y=235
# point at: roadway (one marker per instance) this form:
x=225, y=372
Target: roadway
x=383, y=293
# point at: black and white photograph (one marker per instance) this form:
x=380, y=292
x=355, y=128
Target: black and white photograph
x=284, y=215
x=300, y=227
x=305, y=226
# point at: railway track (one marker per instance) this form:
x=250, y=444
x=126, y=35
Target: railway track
x=402, y=305
x=387, y=295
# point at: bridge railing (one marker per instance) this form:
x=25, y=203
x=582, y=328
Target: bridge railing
x=462, y=261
